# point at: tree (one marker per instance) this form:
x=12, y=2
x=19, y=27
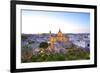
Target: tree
x=44, y=45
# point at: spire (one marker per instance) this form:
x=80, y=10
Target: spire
x=59, y=30
x=50, y=31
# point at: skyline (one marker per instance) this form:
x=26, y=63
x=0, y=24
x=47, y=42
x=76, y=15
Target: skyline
x=45, y=21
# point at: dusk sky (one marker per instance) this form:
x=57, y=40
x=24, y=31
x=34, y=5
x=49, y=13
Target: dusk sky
x=45, y=21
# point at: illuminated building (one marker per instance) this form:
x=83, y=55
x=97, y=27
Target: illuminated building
x=60, y=38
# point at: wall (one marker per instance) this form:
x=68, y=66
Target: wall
x=5, y=37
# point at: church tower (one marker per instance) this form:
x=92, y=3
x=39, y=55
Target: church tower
x=59, y=36
x=51, y=40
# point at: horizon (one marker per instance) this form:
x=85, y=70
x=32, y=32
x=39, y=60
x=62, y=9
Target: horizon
x=54, y=33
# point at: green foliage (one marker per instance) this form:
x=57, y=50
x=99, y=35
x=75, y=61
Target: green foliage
x=71, y=54
x=52, y=57
x=77, y=54
x=43, y=45
x=55, y=57
x=24, y=37
x=31, y=42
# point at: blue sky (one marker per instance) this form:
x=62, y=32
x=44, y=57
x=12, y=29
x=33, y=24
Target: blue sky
x=68, y=22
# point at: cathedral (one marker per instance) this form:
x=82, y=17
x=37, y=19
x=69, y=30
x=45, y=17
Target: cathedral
x=59, y=38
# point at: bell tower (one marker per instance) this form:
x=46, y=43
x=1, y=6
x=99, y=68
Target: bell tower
x=59, y=36
x=52, y=40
